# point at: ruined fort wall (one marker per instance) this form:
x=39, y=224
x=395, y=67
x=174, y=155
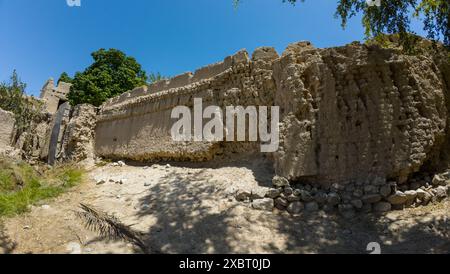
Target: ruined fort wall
x=355, y=114
x=137, y=125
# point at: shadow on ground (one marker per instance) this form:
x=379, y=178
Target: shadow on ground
x=191, y=218
x=185, y=223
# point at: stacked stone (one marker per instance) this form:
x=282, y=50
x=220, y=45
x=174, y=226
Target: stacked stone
x=348, y=199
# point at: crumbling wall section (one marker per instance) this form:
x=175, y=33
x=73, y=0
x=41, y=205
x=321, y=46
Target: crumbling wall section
x=77, y=144
x=357, y=113
x=7, y=122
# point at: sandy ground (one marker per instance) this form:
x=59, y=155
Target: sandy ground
x=190, y=209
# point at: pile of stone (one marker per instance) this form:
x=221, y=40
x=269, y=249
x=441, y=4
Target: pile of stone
x=348, y=199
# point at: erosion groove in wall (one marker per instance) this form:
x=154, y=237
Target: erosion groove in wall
x=349, y=114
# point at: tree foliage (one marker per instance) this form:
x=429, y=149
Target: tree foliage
x=111, y=74
x=65, y=78
x=13, y=99
x=394, y=17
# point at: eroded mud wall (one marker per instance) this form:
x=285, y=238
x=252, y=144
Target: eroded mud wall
x=355, y=113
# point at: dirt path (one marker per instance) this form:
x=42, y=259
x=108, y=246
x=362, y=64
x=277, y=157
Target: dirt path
x=188, y=209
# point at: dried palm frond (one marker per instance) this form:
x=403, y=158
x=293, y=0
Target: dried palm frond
x=109, y=226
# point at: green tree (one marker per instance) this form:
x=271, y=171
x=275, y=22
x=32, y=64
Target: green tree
x=111, y=74
x=394, y=17
x=14, y=99
x=65, y=78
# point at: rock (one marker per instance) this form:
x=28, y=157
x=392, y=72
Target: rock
x=385, y=191
x=367, y=208
x=293, y=198
x=266, y=204
x=411, y=195
x=358, y=204
x=168, y=166
x=421, y=194
x=27, y=227
x=242, y=196
x=382, y=207
x=441, y=193
x=439, y=180
x=425, y=196
x=145, y=168
x=121, y=163
x=280, y=181
x=282, y=202
x=101, y=182
x=273, y=193
x=358, y=193
x=145, y=207
x=328, y=208
x=45, y=207
x=399, y=198
x=371, y=198
x=288, y=191
x=334, y=199
x=369, y=189
x=446, y=175
x=379, y=181
x=321, y=197
x=306, y=196
x=295, y=207
x=258, y=193
x=347, y=211
x=147, y=184
x=338, y=187
x=350, y=188
x=311, y=207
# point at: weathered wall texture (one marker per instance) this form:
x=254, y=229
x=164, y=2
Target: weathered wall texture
x=6, y=129
x=353, y=113
x=137, y=124
x=31, y=142
x=358, y=114
x=54, y=96
x=77, y=142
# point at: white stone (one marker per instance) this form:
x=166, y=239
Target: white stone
x=266, y=204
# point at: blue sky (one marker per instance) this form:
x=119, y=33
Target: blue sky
x=42, y=38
